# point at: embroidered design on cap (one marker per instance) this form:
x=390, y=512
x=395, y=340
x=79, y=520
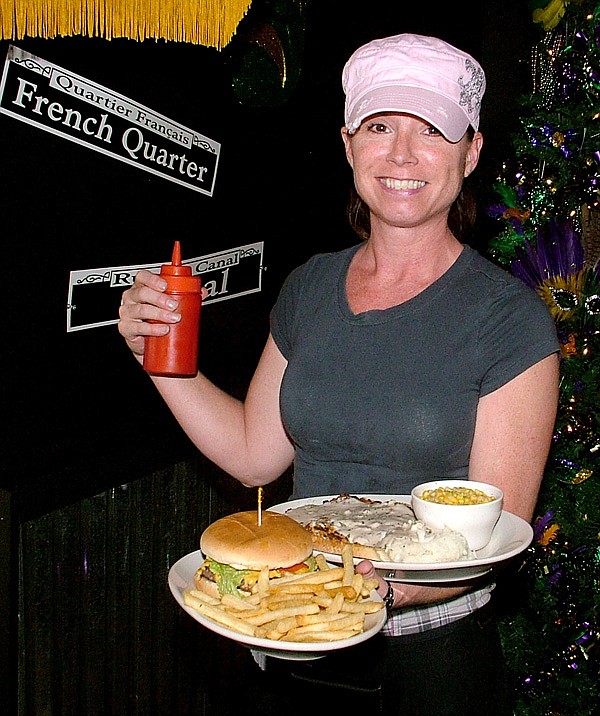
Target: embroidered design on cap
x=472, y=89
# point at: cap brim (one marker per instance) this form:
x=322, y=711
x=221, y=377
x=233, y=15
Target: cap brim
x=437, y=109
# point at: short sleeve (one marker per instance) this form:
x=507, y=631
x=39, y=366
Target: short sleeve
x=284, y=312
x=518, y=333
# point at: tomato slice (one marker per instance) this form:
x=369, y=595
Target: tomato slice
x=297, y=567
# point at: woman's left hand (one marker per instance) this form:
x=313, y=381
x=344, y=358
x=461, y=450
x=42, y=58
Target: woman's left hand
x=407, y=595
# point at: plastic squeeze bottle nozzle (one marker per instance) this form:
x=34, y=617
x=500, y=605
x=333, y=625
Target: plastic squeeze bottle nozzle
x=176, y=353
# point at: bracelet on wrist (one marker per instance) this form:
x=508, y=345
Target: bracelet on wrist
x=389, y=597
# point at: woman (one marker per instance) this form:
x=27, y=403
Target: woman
x=404, y=358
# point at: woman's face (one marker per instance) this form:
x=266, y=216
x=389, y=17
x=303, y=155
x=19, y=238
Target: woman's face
x=406, y=171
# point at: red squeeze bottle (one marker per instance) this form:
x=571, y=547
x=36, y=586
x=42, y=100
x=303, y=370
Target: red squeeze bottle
x=176, y=353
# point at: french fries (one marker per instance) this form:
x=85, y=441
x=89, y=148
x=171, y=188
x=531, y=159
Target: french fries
x=348, y=562
x=329, y=604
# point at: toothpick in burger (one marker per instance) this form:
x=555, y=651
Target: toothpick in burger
x=236, y=548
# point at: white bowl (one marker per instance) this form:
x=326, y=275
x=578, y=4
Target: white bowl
x=475, y=521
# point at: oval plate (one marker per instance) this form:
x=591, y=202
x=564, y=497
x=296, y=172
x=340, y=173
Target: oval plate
x=511, y=536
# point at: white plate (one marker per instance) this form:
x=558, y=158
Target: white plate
x=434, y=576
x=181, y=578
x=511, y=536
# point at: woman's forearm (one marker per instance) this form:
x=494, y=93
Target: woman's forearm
x=244, y=438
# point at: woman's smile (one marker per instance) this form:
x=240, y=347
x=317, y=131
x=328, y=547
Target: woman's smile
x=402, y=184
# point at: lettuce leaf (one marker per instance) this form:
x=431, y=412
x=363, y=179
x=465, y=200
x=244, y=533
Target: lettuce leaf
x=228, y=578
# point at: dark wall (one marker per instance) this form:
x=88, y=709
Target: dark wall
x=82, y=416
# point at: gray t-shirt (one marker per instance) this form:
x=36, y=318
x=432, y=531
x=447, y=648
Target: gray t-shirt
x=383, y=400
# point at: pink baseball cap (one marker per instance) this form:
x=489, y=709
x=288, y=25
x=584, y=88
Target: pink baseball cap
x=419, y=75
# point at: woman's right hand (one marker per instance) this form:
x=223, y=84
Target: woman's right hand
x=146, y=301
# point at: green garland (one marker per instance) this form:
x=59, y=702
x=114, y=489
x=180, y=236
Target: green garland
x=550, y=599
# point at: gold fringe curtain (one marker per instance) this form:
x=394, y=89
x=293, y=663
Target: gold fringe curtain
x=202, y=22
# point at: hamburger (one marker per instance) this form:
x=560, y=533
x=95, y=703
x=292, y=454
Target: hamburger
x=236, y=548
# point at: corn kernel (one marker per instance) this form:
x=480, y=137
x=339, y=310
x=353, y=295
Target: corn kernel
x=457, y=496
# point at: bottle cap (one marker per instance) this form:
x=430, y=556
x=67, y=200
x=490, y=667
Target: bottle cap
x=175, y=268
